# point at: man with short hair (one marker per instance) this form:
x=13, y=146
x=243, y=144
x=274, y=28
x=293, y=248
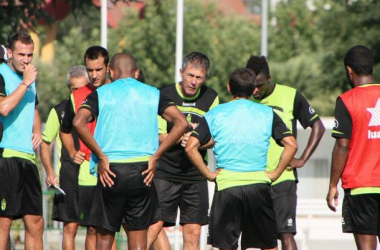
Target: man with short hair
x=239, y=132
x=65, y=207
x=178, y=183
x=355, y=157
x=96, y=60
x=125, y=149
x=291, y=106
x=20, y=187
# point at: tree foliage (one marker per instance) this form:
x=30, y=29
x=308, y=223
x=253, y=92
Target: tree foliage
x=227, y=41
x=306, y=45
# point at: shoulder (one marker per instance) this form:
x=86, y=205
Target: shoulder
x=169, y=88
x=284, y=88
x=208, y=91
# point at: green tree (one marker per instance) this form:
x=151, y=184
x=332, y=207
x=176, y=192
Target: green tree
x=227, y=40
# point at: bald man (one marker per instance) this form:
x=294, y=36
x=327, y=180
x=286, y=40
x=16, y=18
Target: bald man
x=125, y=149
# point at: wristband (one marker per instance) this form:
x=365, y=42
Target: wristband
x=23, y=83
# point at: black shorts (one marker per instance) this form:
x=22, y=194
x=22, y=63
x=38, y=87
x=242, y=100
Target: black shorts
x=192, y=200
x=20, y=188
x=65, y=207
x=284, y=197
x=86, y=195
x=129, y=198
x=361, y=213
x=243, y=209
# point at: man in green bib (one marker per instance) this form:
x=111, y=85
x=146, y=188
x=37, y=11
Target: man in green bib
x=291, y=106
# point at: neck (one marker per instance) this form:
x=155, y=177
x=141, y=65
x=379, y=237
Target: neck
x=362, y=80
x=234, y=98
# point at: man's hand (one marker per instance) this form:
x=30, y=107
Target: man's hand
x=36, y=140
x=185, y=137
x=152, y=165
x=79, y=157
x=51, y=179
x=296, y=163
x=272, y=176
x=105, y=173
x=211, y=176
x=332, y=198
x=30, y=74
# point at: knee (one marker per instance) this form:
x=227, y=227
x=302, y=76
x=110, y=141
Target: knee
x=38, y=226
x=192, y=236
x=91, y=231
x=70, y=229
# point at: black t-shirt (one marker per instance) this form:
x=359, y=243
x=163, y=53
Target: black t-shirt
x=174, y=165
x=279, y=131
x=302, y=112
x=343, y=122
x=68, y=175
x=67, y=121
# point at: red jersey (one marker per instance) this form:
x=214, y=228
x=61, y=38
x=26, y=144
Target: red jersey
x=78, y=98
x=363, y=164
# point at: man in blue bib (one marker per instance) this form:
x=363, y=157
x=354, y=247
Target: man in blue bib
x=126, y=151
x=20, y=187
x=240, y=132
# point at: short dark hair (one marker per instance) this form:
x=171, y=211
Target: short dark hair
x=197, y=59
x=360, y=59
x=141, y=76
x=258, y=64
x=22, y=36
x=242, y=82
x=94, y=52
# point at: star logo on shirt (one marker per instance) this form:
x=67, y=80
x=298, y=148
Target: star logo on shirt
x=375, y=119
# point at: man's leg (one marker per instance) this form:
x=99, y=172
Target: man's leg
x=92, y=238
x=5, y=226
x=191, y=234
x=69, y=232
x=365, y=241
x=153, y=232
x=162, y=241
x=137, y=239
x=34, y=227
x=104, y=239
x=287, y=241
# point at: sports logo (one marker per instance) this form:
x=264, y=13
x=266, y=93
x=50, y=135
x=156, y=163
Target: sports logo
x=3, y=205
x=375, y=119
x=336, y=123
x=81, y=215
x=290, y=222
x=311, y=110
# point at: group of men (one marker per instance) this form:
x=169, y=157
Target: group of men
x=132, y=155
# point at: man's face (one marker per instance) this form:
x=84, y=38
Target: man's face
x=97, y=71
x=262, y=87
x=77, y=82
x=22, y=55
x=192, y=80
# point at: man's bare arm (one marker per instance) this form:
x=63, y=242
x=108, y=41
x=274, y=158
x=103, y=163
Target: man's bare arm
x=339, y=159
x=290, y=149
x=317, y=130
x=192, y=152
x=174, y=115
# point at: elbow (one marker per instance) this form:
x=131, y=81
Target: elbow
x=293, y=145
x=188, y=150
x=77, y=122
x=4, y=111
x=182, y=124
